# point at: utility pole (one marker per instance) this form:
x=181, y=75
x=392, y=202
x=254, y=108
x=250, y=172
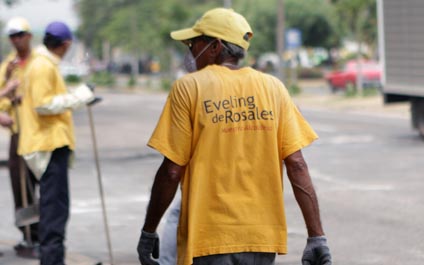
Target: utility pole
x=381, y=44
x=280, y=38
x=227, y=3
x=362, y=17
x=134, y=48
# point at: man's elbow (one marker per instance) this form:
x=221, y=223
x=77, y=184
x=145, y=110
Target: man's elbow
x=172, y=171
x=296, y=162
x=173, y=176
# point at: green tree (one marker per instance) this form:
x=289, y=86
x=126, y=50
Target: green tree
x=10, y=2
x=359, y=20
x=138, y=27
x=262, y=17
x=316, y=20
x=95, y=15
x=142, y=27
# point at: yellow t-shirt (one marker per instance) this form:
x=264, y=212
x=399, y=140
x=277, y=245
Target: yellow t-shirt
x=42, y=82
x=232, y=129
x=17, y=74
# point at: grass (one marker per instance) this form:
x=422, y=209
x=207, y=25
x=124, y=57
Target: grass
x=351, y=91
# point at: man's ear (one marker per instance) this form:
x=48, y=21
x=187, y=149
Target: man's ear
x=216, y=43
x=67, y=43
x=216, y=47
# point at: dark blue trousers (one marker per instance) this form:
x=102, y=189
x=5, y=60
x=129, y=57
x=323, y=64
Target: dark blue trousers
x=243, y=258
x=54, y=208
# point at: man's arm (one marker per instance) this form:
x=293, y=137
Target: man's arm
x=297, y=171
x=316, y=250
x=5, y=120
x=163, y=191
x=76, y=98
x=11, y=66
x=9, y=88
x=7, y=99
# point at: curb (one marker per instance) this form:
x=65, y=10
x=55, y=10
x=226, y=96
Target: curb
x=8, y=257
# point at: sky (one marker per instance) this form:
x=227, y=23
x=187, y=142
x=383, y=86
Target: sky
x=39, y=13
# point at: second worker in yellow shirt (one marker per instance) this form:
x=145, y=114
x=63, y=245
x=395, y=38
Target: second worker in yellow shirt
x=12, y=70
x=47, y=136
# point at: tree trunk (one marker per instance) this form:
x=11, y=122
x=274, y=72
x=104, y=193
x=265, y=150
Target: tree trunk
x=280, y=39
x=362, y=16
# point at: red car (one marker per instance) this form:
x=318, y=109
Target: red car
x=371, y=75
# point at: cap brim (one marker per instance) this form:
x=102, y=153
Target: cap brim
x=14, y=31
x=185, y=34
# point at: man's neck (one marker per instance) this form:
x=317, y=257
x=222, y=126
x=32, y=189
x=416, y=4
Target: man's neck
x=58, y=52
x=231, y=63
x=23, y=54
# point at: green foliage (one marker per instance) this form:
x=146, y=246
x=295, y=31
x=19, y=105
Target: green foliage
x=166, y=83
x=131, y=81
x=370, y=26
x=141, y=28
x=294, y=89
x=137, y=27
x=350, y=90
x=353, y=56
x=309, y=73
x=316, y=20
x=262, y=16
x=358, y=19
x=72, y=79
x=371, y=91
x=10, y=2
x=102, y=78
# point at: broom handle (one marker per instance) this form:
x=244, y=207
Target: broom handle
x=22, y=176
x=99, y=179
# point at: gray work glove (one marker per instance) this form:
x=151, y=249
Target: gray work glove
x=316, y=252
x=148, y=246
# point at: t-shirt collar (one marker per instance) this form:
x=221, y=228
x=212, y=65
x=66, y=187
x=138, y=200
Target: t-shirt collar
x=42, y=50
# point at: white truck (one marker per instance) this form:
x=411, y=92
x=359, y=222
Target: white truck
x=401, y=46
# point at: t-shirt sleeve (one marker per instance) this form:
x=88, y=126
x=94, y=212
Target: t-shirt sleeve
x=42, y=84
x=173, y=133
x=5, y=104
x=3, y=68
x=296, y=133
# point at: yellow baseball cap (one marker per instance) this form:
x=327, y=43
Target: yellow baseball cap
x=221, y=23
x=16, y=25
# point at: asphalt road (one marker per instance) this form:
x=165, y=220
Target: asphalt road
x=367, y=169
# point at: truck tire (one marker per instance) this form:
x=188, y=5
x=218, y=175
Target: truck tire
x=417, y=111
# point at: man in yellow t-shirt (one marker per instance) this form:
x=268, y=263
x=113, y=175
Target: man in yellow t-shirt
x=225, y=132
x=12, y=70
x=47, y=136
